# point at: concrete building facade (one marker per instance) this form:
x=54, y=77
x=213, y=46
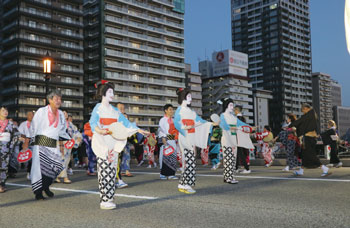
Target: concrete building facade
x=322, y=98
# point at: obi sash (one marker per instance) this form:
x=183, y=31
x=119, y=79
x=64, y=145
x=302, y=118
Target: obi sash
x=108, y=121
x=233, y=132
x=189, y=122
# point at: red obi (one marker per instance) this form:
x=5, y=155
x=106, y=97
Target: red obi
x=108, y=121
x=189, y=122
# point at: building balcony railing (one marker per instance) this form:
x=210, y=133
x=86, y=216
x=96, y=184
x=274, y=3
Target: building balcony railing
x=143, y=101
x=149, y=28
x=33, y=90
x=144, y=48
x=143, y=16
x=134, y=67
x=117, y=76
x=146, y=90
x=143, y=37
x=153, y=8
x=68, y=105
x=143, y=58
x=144, y=112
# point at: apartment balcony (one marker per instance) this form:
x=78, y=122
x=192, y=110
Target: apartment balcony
x=146, y=80
x=148, y=59
x=157, y=92
x=137, y=112
x=134, y=67
x=144, y=48
x=143, y=37
x=151, y=102
x=160, y=31
x=143, y=16
x=154, y=9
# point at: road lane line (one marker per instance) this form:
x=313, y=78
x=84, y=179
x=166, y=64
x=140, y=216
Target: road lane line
x=262, y=177
x=85, y=191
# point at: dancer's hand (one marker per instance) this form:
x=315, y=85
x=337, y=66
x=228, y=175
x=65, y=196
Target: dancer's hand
x=233, y=128
x=215, y=124
x=188, y=127
x=102, y=131
x=164, y=141
x=143, y=132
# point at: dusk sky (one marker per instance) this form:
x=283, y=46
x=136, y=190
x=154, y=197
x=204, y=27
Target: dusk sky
x=208, y=28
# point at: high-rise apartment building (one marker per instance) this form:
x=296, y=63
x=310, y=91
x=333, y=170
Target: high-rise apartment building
x=322, y=100
x=139, y=46
x=336, y=93
x=194, y=83
x=29, y=30
x=276, y=36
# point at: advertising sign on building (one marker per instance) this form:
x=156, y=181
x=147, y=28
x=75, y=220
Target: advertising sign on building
x=230, y=62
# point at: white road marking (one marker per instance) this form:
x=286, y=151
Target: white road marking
x=85, y=191
x=262, y=177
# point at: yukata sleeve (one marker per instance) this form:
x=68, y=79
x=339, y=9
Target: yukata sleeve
x=125, y=121
x=95, y=117
x=223, y=123
x=162, y=128
x=63, y=131
x=200, y=120
x=35, y=124
x=177, y=122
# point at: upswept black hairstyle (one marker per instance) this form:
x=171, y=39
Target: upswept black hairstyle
x=167, y=106
x=182, y=94
x=102, y=89
x=225, y=102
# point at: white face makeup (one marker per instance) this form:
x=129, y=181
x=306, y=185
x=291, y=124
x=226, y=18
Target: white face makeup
x=109, y=95
x=188, y=99
x=230, y=107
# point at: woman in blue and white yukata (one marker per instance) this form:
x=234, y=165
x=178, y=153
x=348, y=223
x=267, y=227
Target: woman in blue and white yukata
x=104, y=145
x=193, y=132
x=235, y=133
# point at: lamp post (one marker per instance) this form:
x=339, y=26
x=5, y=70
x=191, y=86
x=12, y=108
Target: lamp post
x=47, y=71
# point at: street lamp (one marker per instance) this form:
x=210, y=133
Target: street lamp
x=47, y=71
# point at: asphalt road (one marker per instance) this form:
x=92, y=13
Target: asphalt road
x=265, y=198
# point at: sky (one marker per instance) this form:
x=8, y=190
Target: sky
x=208, y=28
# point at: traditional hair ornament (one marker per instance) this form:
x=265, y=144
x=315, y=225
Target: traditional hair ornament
x=219, y=102
x=102, y=82
x=181, y=89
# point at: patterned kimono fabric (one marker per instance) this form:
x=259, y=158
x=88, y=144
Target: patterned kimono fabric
x=126, y=158
x=215, y=146
x=149, y=151
x=90, y=154
x=189, y=139
x=205, y=156
x=168, y=159
x=47, y=158
x=230, y=141
x=104, y=148
x=290, y=143
x=229, y=145
x=14, y=164
x=8, y=132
